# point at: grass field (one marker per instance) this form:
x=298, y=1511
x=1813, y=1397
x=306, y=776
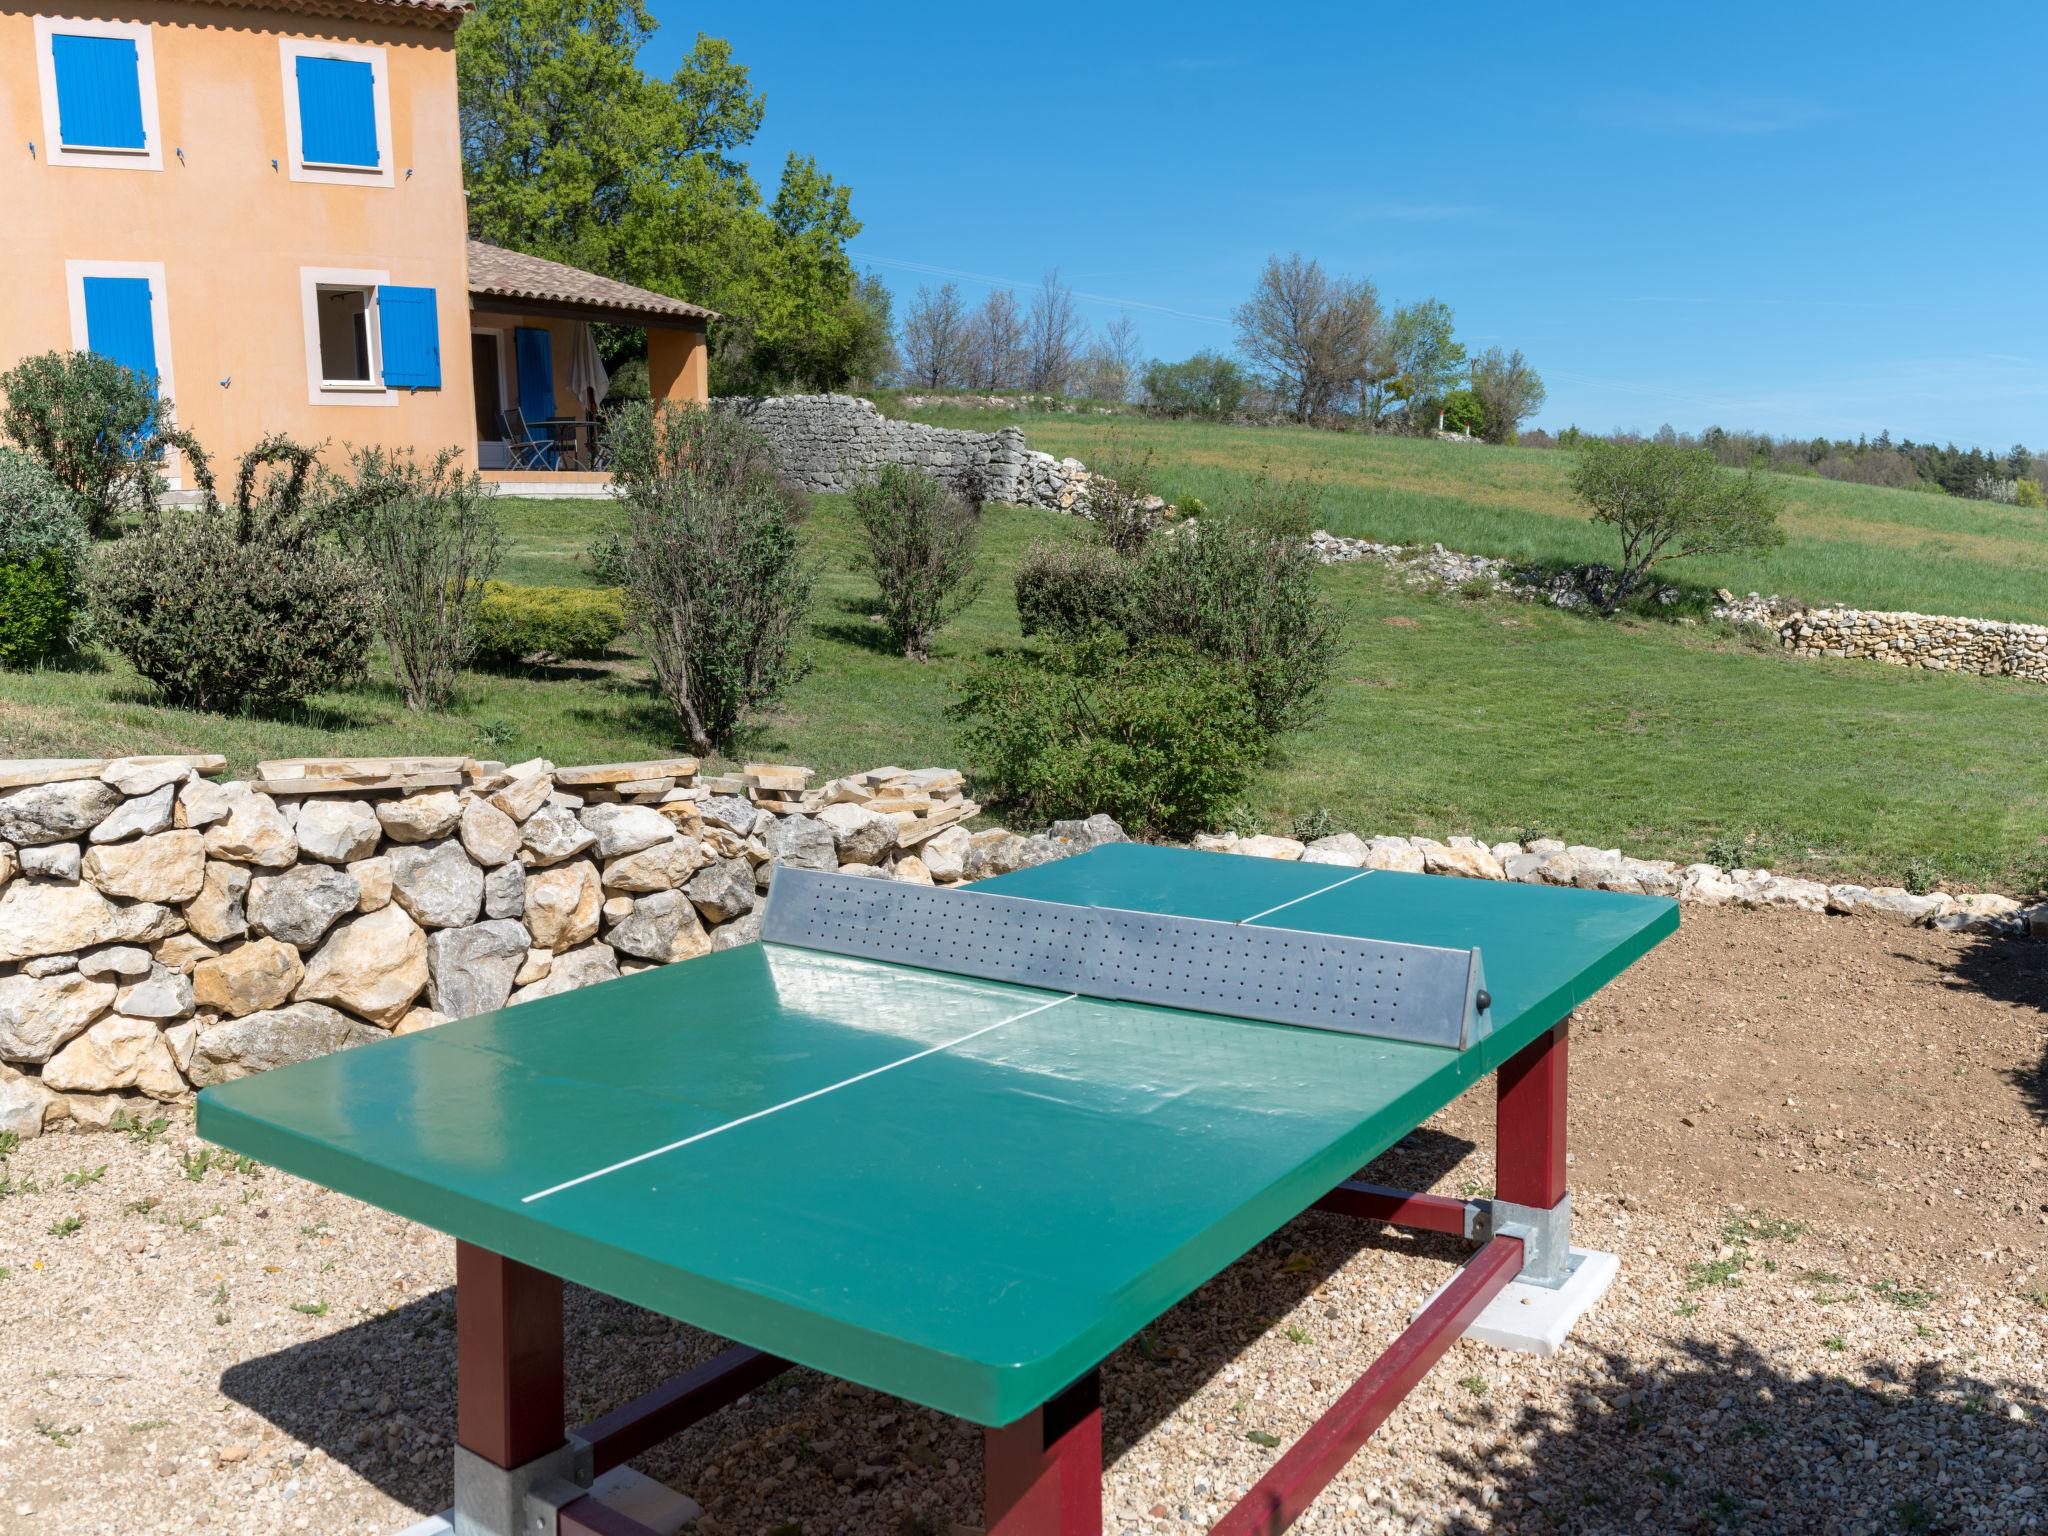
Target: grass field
x=1853, y=544
x=1449, y=716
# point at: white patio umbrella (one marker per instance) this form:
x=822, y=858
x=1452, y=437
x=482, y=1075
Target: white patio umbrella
x=587, y=377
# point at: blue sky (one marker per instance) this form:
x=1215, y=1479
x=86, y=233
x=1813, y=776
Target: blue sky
x=1808, y=218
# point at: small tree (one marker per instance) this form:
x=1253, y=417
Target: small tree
x=918, y=541
x=711, y=561
x=225, y=607
x=430, y=533
x=1668, y=503
x=95, y=425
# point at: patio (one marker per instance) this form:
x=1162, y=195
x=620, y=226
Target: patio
x=540, y=384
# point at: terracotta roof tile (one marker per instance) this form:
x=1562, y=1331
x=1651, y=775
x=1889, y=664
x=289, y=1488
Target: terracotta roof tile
x=495, y=272
x=440, y=13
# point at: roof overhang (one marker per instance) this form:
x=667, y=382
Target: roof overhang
x=482, y=300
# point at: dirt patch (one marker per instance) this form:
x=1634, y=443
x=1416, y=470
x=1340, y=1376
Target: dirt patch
x=1798, y=1342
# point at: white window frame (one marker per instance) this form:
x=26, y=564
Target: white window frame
x=75, y=274
x=148, y=158
x=503, y=333
x=290, y=51
x=319, y=391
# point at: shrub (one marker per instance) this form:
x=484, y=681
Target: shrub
x=519, y=624
x=1249, y=600
x=1118, y=496
x=1209, y=384
x=226, y=607
x=918, y=541
x=1284, y=506
x=1162, y=739
x=95, y=425
x=1071, y=589
x=430, y=534
x=43, y=548
x=711, y=561
x=2027, y=493
x=1668, y=502
x=1462, y=412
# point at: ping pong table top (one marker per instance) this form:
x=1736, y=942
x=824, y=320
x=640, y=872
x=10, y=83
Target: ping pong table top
x=961, y=1192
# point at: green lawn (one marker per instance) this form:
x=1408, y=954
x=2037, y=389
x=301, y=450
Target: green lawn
x=1488, y=717
x=1850, y=544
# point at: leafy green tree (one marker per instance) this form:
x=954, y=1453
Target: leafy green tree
x=1668, y=502
x=571, y=151
x=1428, y=357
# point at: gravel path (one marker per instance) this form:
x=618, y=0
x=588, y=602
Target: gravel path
x=217, y=1347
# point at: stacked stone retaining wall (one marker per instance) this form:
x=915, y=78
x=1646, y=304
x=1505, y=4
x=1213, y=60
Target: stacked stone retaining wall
x=161, y=930
x=829, y=443
x=1932, y=642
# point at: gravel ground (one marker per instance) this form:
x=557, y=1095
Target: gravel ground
x=1764, y=1112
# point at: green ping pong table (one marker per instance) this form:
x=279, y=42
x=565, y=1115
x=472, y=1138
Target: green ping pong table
x=961, y=1190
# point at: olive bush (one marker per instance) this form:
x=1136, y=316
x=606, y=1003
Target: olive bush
x=242, y=605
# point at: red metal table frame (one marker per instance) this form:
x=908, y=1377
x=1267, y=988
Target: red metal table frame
x=1043, y=1474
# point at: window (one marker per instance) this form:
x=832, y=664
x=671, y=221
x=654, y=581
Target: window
x=98, y=83
x=367, y=337
x=345, y=336
x=337, y=113
x=118, y=311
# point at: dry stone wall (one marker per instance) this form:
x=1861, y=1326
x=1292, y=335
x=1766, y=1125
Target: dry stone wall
x=827, y=443
x=1988, y=647
x=162, y=930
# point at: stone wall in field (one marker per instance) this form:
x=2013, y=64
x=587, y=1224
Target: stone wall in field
x=1988, y=647
x=161, y=930
x=828, y=443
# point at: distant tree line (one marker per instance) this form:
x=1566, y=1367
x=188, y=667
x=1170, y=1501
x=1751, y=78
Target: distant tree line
x=2011, y=478
x=1311, y=347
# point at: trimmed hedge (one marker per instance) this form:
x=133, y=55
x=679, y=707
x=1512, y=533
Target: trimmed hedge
x=514, y=623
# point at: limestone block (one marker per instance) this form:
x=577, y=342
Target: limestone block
x=374, y=965
x=167, y=867
x=562, y=905
x=420, y=818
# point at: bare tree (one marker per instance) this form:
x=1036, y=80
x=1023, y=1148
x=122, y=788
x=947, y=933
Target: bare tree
x=1509, y=391
x=995, y=343
x=1109, y=369
x=1054, y=334
x=1311, y=334
x=935, y=339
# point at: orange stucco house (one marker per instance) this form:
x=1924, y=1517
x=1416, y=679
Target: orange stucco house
x=260, y=203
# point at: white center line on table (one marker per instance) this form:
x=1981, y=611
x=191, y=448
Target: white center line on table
x=1318, y=891
x=802, y=1098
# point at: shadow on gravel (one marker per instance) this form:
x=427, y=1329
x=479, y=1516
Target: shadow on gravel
x=1720, y=1439
x=2012, y=971
x=345, y=1392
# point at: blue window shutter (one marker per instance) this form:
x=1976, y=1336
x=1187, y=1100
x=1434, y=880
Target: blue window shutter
x=536, y=351
x=337, y=112
x=409, y=336
x=99, y=91
x=118, y=324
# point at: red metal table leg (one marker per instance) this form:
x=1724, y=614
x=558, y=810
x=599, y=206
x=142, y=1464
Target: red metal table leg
x=1044, y=1472
x=1529, y=1128
x=508, y=1342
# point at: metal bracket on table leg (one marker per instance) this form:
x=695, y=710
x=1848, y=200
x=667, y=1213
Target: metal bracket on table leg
x=491, y=1500
x=1546, y=1238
